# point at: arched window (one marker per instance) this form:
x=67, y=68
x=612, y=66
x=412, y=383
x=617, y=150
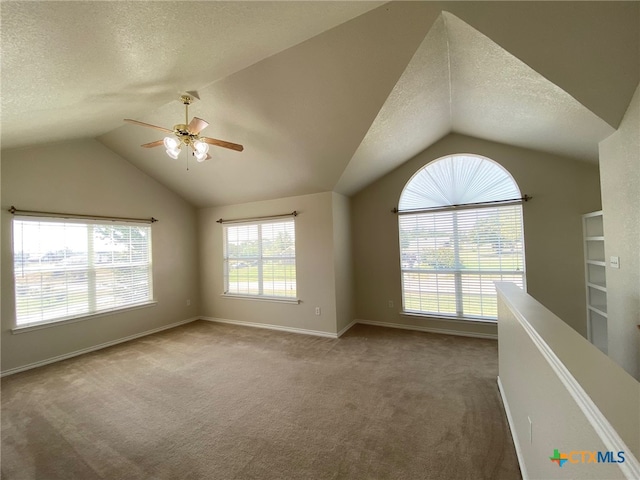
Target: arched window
x=460, y=223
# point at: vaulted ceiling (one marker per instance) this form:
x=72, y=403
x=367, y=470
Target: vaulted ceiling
x=323, y=95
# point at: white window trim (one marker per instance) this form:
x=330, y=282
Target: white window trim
x=225, y=258
x=261, y=298
x=36, y=325
x=65, y=321
x=449, y=318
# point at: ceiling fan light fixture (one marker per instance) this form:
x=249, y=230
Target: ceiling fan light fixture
x=187, y=134
x=171, y=143
x=173, y=152
x=200, y=147
x=200, y=156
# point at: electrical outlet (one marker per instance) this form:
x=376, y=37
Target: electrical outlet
x=390, y=303
x=188, y=303
x=317, y=310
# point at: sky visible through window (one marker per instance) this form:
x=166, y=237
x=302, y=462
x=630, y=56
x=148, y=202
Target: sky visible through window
x=38, y=237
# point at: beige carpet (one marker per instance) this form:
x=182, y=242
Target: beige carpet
x=214, y=401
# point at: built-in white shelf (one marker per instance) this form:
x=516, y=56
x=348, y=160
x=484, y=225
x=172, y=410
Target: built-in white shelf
x=597, y=286
x=601, y=309
x=595, y=279
x=600, y=263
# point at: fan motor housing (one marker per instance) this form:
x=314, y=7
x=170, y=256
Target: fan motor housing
x=182, y=132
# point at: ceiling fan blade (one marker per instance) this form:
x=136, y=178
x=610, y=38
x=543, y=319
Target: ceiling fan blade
x=196, y=125
x=157, y=143
x=142, y=124
x=222, y=143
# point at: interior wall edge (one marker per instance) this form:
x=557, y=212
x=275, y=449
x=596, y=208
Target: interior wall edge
x=347, y=328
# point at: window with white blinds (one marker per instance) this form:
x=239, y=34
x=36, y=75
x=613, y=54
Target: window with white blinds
x=67, y=269
x=452, y=253
x=260, y=259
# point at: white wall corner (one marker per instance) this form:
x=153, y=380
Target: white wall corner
x=346, y=329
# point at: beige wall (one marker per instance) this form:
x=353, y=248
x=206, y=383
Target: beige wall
x=620, y=178
x=342, y=258
x=562, y=190
x=85, y=177
x=315, y=277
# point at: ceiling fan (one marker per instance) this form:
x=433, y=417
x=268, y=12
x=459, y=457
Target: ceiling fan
x=187, y=134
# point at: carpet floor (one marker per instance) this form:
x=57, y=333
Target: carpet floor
x=217, y=401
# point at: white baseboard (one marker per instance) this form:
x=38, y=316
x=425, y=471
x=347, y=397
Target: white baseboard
x=346, y=329
x=59, y=358
x=420, y=328
x=514, y=435
x=269, y=326
x=303, y=331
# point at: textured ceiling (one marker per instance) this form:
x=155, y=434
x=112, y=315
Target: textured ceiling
x=323, y=95
x=300, y=114
x=76, y=69
x=498, y=97
x=461, y=81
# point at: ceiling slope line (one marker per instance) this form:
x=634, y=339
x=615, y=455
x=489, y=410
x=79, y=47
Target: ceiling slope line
x=446, y=33
x=416, y=113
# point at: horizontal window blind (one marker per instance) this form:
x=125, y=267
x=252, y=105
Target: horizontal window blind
x=260, y=259
x=451, y=259
x=66, y=269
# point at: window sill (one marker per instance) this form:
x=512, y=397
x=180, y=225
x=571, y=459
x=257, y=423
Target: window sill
x=53, y=323
x=261, y=298
x=449, y=319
